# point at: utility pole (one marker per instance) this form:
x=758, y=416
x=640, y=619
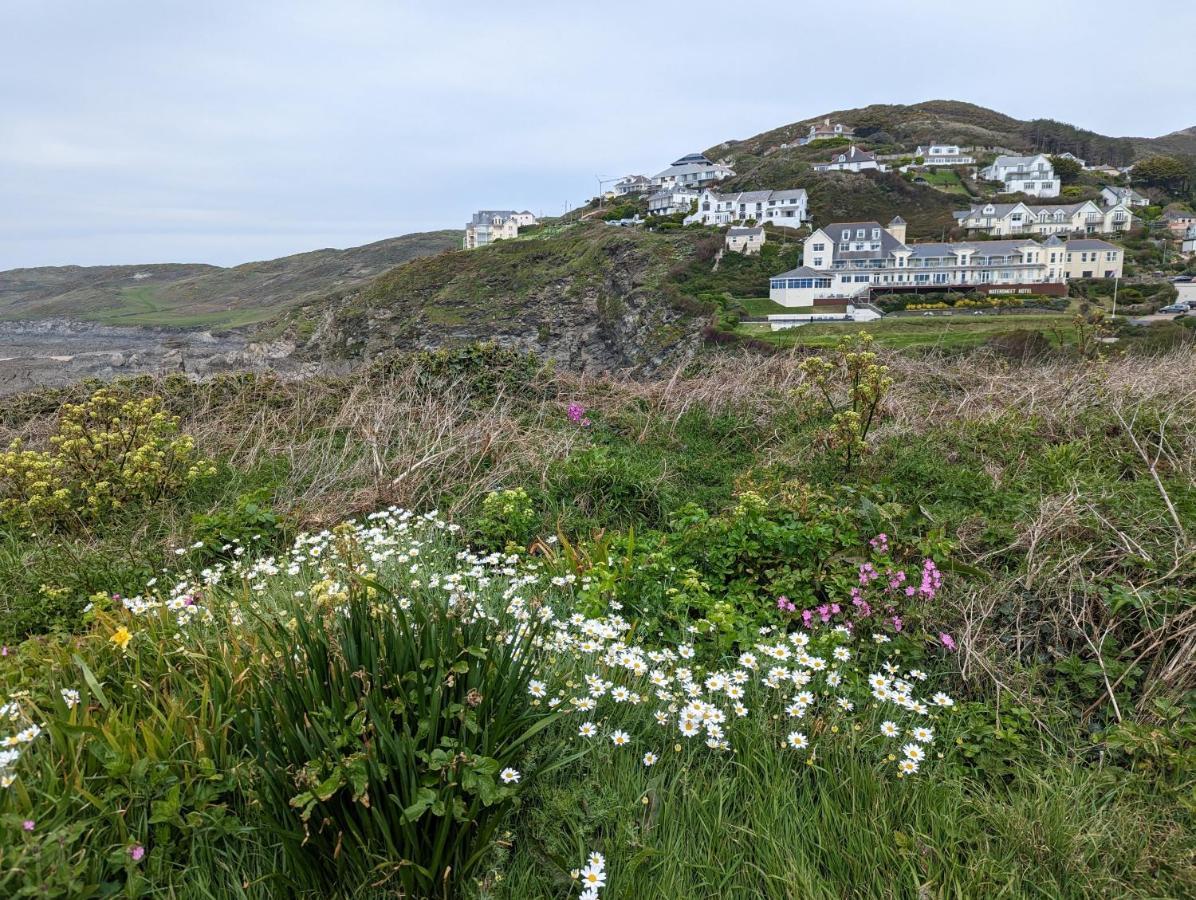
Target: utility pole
x=1116, y=281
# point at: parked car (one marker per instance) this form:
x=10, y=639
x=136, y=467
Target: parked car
x=1182, y=278
x=1175, y=308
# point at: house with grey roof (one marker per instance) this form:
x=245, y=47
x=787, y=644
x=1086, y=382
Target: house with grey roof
x=671, y=201
x=745, y=240
x=693, y=172
x=854, y=259
x=786, y=208
x=944, y=155
x=1087, y=258
x=632, y=184
x=489, y=225
x=1001, y=219
x=853, y=159
x=1033, y=175
x=1111, y=195
x=823, y=130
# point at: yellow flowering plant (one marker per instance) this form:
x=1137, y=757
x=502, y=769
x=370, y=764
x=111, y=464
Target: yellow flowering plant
x=109, y=452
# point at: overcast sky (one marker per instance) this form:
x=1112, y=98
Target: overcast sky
x=231, y=130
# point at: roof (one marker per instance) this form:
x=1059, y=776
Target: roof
x=1009, y=162
x=688, y=169
x=897, y=220
x=853, y=154
x=693, y=158
x=1000, y=210
x=1090, y=244
x=487, y=216
x=1173, y=214
x=803, y=272
x=888, y=243
x=757, y=196
x=745, y=232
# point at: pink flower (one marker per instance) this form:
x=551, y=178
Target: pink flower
x=577, y=414
x=28, y=825
x=896, y=620
x=136, y=852
x=785, y=604
x=947, y=641
x=880, y=543
x=807, y=617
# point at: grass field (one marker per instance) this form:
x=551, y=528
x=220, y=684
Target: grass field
x=939, y=332
x=144, y=305
x=360, y=717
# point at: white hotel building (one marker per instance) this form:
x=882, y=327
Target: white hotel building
x=850, y=259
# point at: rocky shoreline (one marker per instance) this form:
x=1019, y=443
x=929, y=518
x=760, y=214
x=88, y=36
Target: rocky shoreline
x=59, y=352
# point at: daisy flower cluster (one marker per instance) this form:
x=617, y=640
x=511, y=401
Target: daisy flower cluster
x=21, y=733
x=592, y=878
x=815, y=681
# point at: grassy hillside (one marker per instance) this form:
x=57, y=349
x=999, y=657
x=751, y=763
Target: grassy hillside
x=337, y=720
x=589, y=295
x=181, y=295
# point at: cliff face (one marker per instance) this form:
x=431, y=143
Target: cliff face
x=593, y=298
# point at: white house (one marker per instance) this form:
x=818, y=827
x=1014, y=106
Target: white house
x=1073, y=158
x=784, y=208
x=670, y=202
x=822, y=130
x=944, y=155
x=692, y=171
x=1111, y=195
x=745, y=240
x=489, y=225
x=1189, y=242
x=853, y=159
x=632, y=184
x=1033, y=175
x=1001, y=219
x=850, y=259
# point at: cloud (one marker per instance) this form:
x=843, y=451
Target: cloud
x=158, y=130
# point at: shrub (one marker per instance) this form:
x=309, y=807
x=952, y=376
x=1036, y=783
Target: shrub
x=849, y=388
x=507, y=517
x=108, y=453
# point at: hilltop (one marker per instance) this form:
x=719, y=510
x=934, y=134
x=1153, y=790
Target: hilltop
x=202, y=295
x=590, y=296
x=774, y=160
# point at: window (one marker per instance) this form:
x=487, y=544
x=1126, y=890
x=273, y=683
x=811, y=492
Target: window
x=862, y=279
x=846, y=234
x=859, y=234
x=846, y=279
x=875, y=234
x=817, y=261
x=817, y=248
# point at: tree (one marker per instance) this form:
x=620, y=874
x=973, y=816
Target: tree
x=1166, y=172
x=1067, y=169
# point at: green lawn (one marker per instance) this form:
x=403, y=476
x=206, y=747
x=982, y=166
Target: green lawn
x=946, y=180
x=921, y=333
x=762, y=306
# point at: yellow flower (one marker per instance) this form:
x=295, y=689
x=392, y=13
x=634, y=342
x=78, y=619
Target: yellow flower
x=121, y=638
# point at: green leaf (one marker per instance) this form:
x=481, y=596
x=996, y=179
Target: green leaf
x=424, y=799
x=91, y=682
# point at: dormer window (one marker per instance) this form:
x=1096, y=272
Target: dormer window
x=846, y=234
x=875, y=234
x=859, y=234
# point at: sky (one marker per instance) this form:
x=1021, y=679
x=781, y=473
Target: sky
x=224, y=131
